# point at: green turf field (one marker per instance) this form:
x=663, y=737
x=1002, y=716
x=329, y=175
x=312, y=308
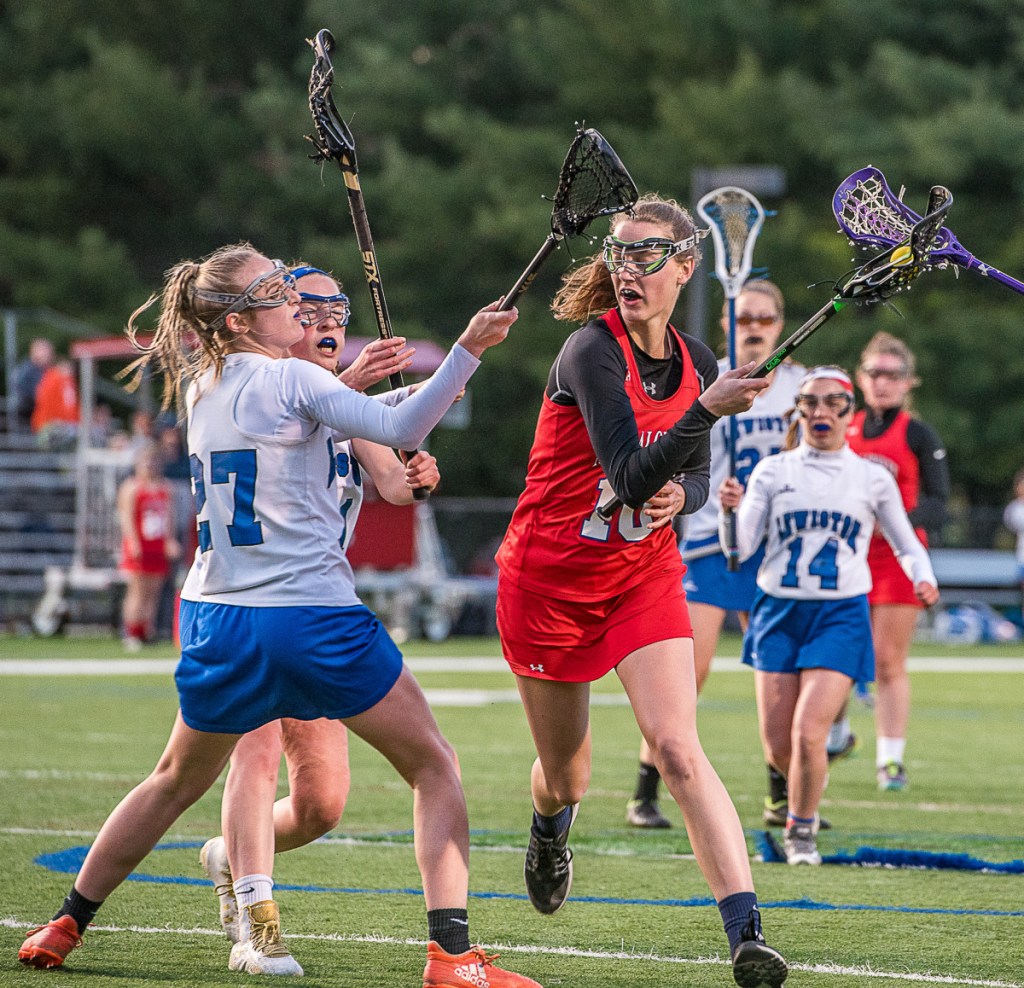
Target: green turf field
x=72, y=745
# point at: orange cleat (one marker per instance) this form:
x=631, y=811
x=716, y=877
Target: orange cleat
x=47, y=946
x=473, y=969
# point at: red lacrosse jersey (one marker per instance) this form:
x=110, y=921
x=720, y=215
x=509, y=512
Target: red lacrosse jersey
x=891, y=450
x=152, y=522
x=556, y=543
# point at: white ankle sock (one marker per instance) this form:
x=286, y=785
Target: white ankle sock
x=889, y=750
x=249, y=890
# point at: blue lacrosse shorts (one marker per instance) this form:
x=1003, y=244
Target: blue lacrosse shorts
x=708, y=581
x=242, y=667
x=786, y=635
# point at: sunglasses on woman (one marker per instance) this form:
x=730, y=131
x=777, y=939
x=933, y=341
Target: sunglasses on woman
x=893, y=374
x=748, y=320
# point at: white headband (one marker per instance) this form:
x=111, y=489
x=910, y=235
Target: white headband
x=828, y=374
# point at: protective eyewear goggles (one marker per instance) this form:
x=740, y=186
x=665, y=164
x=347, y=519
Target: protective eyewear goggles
x=747, y=320
x=642, y=257
x=894, y=374
x=315, y=309
x=839, y=402
x=268, y=291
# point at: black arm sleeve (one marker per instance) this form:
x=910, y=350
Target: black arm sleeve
x=590, y=373
x=925, y=444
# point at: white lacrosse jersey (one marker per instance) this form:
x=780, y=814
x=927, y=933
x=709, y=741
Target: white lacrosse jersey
x=262, y=448
x=760, y=432
x=818, y=510
x=350, y=490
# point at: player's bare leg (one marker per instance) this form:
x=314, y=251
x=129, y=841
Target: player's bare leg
x=559, y=718
x=402, y=728
x=892, y=630
x=188, y=767
x=706, y=620
x=660, y=682
x=316, y=752
x=822, y=694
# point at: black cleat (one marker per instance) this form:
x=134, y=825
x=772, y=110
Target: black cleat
x=754, y=963
x=548, y=869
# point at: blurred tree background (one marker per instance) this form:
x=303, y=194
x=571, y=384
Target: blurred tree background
x=134, y=135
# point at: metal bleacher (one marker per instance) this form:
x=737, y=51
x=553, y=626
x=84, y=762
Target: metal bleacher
x=37, y=522
x=986, y=575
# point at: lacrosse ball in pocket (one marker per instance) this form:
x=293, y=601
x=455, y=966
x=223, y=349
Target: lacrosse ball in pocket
x=901, y=255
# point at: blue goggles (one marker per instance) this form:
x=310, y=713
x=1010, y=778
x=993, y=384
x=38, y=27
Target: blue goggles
x=315, y=309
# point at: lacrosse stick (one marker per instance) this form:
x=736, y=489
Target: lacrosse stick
x=872, y=216
x=735, y=218
x=875, y=280
x=334, y=142
x=593, y=182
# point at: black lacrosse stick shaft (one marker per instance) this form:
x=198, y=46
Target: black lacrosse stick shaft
x=526, y=278
x=335, y=141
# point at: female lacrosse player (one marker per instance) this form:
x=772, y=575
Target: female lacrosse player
x=145, y=512
x=316, y=751
x=711, y=590
x=886, y=432
x=627, y=411
x=809, y=635
x=270, y=624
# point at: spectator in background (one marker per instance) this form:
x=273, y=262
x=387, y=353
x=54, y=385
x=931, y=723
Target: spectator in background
x=141, y=430
x=27, y=376
x=172, y=451
x=101, y=428
x=55, y=415
x=1013, y=519
x=145, y=511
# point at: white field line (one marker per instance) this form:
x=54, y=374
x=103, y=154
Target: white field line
x=478, y=664
x=13, y=923
x=346, y=842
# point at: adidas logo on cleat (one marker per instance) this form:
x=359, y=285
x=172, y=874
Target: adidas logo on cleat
x=473, y=974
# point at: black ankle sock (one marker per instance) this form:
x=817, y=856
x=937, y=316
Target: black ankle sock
x=552, y=826
x=449, y=929
x=736, y=910
x=79, y=908
x=647, y=780
x=778, y=790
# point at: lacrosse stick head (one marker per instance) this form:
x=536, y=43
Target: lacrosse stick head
x=896, y=267
x=333, y=139
x=734, y=217
x=871, y=215
x=593, y=182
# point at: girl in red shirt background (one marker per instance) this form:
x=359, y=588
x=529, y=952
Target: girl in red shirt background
x=148, y=546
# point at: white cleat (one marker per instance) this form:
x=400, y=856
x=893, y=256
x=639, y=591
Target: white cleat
x=214, y=861
x=264, y=951
x=801, y=844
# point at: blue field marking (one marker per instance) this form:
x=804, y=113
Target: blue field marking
x=69, y=860
x=888, y=857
